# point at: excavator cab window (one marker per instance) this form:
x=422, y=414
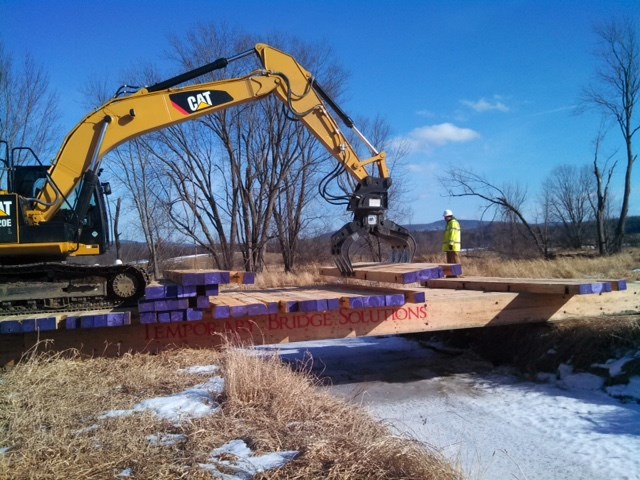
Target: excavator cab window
x=94, y=225
x=4, y=165
x=29, y=179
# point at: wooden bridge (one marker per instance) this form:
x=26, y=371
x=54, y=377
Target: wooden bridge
x=209, y=307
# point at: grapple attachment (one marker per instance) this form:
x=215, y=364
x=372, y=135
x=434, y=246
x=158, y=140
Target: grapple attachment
x=368, y=204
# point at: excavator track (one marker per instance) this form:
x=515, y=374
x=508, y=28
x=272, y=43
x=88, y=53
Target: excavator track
x=60, y=287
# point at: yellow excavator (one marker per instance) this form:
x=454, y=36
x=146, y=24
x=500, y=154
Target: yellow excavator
x=51, y=212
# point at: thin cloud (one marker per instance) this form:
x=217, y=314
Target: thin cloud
x=422, y=168
x=554, y=110
x=484, y=105
x=425, y=113
x=432, y=136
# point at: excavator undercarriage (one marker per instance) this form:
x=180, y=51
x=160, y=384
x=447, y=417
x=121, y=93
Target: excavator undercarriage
x=56, y=287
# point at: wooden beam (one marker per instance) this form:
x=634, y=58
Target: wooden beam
x=198, y=277
x=402, y=273
x=525, y=285
x=411, y=295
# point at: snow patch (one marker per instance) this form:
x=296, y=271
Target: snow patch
x=244, y=465
x=200, y=369
x=195, y=402
x=166, y=439
x=631, y=390
x=579, y=381
x=616, y=366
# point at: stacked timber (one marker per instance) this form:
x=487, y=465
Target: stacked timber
x=307, y=300
x=28, y=325
x=402, y=273
x=69, y=321
x=185, y=295
x=545, y=286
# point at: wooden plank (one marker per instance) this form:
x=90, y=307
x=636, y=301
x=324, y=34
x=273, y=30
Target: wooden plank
x=239, y=305
x=402, y=273
x=523, y=285
x=355, y=297
x=167, y=289
x=417, y=295
x=243, y=278
x=198, y=277
x=616, y=285
x=255, y=305
x=282, y=296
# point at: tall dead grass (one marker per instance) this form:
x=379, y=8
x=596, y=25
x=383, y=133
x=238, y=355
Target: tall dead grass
x=614, y=266
x=620, y=265
x=50, y=409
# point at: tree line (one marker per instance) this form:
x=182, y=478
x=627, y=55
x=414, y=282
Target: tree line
x=235, y=182
x=578, y=197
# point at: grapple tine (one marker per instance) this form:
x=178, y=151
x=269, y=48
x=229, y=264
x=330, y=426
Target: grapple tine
x=403, y=245
x=369, y=202
x=341, y=244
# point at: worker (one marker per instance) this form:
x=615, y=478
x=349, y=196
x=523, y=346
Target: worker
x=451, y=240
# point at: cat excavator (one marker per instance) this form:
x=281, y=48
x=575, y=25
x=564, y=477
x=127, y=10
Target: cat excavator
x=49, y=213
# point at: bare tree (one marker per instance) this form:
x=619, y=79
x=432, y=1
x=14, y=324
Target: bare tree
x=256, y=156
x=132, y=164
x=506, y=200
x=615, y=94
x=296, y=192
x=568, y=191
x=201, y=202
x=601, y=202
x=28, y=108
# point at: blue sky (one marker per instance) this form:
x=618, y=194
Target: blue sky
x=487, y=85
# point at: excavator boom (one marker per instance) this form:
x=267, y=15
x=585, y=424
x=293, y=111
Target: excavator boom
x=54, y=208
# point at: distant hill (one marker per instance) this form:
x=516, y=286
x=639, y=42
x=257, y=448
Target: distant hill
x=439, y=225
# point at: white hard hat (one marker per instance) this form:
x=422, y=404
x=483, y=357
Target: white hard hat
x=447, y=213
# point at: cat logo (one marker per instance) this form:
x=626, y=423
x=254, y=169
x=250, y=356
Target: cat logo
x=5, y=209
x=7, y=220
x=188, y=103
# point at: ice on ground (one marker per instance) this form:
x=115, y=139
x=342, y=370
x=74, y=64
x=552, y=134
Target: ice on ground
x=616, y=366
x=579, y=381
x=166, y=439
x=200, y=369
x=126, y=473
x=195, y=402
x=244, y=464
x=493, y=424
x=629, y=391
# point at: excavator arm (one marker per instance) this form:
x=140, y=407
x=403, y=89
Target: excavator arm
x=163, y=105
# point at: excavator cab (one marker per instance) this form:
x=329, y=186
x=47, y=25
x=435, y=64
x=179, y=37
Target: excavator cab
x=81, y=219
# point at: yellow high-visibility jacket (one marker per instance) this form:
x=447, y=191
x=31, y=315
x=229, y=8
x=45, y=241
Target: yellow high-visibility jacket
x=451, y=240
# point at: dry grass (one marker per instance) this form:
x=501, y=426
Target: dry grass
x=50, y=408
x=275, y=277
x=581, y=265
x=567, y=266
